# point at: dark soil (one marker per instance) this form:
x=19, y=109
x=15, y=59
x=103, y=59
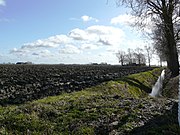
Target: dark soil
x=22, y=83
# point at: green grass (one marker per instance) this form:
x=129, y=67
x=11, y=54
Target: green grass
x=90, y=111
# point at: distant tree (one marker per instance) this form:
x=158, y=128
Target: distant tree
x=160, y=44
x=121, y=57
x=129, y=56
x=140, y=57
x=161, y=58
x=149, y=52
x=143, y=59
x=164, y=10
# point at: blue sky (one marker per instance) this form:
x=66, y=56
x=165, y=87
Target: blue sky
x=64, y=31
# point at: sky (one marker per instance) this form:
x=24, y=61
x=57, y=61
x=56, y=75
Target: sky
x=65, y=31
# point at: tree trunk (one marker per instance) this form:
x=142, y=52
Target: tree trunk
x=149, y=61
x=172, y=61
x=172, y=57
x=122, y=63
x=160, y=63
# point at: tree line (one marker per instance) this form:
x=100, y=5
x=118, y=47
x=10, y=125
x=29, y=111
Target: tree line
x=165, y=15
x=136, y=56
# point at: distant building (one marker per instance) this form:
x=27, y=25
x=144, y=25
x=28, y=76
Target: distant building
x=28, y=63
x=103, y=63
x=24, y=63
x=94, y=63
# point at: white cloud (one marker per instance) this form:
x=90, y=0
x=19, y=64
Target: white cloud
x=98, y=35
x=125, y=19
x=2, y=2
x=18, y=51
x=101, y=30
x=43, y=53
x=146, y=24
x=78, y=34
x=86, y=18
x=70, y=49
x=106, y=35
x=51, y=42
x=134, y=43
x=104, y=41
x=35, y=54
x=130, y=43
x=88, y=47
x=76, y=42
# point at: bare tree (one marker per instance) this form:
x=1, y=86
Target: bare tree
x=121, y=57
x=130, y=56
x=149, y=52
x=160, y=44
x=140, y=57
x=161, y=58
x=143, y=59
x=164, y=10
